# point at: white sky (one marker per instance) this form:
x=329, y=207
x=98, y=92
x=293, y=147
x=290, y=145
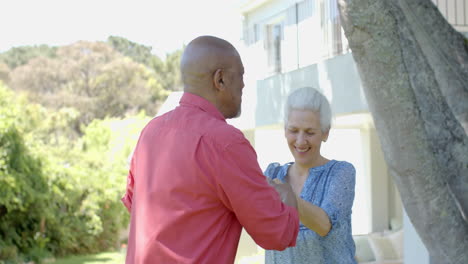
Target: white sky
x=164, y=25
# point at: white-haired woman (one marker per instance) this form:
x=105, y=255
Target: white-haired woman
x=324, y=188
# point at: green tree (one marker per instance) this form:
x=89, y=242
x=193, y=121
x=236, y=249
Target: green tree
x=92, y=78
x=23, y=203
x=23, y=187
x=18, y=56
x=60, y=195
x=41, y=76
x=171, y=72
x=139, y=53
x=4, y=72
x=167, y=71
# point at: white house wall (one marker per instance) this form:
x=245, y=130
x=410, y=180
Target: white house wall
x=336, y=78
x=255, y=23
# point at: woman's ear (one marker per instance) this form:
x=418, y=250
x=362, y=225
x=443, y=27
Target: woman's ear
x=325, y=135
x=218, y=79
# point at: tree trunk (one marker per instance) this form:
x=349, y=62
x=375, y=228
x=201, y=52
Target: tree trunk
x=414, y=69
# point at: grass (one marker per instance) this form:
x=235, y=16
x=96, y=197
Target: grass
x=119, y=258
x=106, y=257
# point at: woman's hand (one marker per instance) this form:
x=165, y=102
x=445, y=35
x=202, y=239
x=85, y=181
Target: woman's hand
x=285, y=191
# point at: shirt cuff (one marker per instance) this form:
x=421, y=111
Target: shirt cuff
x=294, y=214
x=127, y=201
x=332, y=214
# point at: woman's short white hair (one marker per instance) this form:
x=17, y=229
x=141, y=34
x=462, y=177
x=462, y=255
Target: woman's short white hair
x=308, y=98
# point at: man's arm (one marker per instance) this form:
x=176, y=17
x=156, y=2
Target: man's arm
x=310, y=215
x=244, y=189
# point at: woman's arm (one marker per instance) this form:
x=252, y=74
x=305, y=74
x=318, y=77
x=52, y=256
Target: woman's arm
x=313, y=217
x=337, y=202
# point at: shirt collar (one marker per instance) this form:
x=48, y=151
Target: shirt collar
x=193, y=100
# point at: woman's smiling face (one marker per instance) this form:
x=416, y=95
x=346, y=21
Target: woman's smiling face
x=304, y=136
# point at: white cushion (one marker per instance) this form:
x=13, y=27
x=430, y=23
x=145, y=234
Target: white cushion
x=363, y=250
x=397, y=241
x=383, y=248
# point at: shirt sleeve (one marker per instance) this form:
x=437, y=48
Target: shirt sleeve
x=128, y=196
x=243, y=189
x=272, y=170
x=339, y=197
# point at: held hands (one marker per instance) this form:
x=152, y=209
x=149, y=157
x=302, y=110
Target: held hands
x=285, y=191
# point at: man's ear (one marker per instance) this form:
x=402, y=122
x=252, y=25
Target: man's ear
x=218, y=79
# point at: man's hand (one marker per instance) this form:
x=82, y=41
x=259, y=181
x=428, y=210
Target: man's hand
x=285, y=191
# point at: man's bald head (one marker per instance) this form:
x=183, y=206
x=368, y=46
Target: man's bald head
x=201, y=58
x=212, y=68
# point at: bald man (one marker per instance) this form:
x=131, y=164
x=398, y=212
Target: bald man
x=194, y=180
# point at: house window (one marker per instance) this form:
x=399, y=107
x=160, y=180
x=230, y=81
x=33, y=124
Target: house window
x=274, y=38
x=255, y=35
x=333, y=33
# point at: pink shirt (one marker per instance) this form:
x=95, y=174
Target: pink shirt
x=194, y=182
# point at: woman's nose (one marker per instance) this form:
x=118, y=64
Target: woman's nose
x=301, y=139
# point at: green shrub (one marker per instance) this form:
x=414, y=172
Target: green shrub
x=24, y=198
x=60, y=192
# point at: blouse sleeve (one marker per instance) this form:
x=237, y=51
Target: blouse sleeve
x=339, y=197
x=272, y=170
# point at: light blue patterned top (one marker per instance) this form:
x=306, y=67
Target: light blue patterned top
x=331, y=187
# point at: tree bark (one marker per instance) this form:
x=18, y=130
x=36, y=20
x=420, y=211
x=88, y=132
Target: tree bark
x=414, y=69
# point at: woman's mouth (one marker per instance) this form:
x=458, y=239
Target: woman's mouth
x=302, y=150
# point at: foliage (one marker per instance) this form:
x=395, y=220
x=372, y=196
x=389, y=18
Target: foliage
x=23, y=188
x=67, y=129
x=169, y=71
x=139, y=53
x=23, y=197
x=4, y=72
x=18, y=56
x=92, y=78
x=60, y=194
